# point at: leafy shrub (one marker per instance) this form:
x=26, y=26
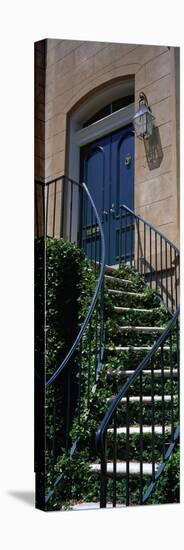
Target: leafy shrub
x=168, y=487
x=64, y=284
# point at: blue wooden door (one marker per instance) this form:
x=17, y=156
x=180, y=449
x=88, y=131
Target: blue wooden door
x=107, y=167
x=122, y=192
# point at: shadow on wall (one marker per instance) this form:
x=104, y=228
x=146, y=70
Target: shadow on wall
x=153, y=149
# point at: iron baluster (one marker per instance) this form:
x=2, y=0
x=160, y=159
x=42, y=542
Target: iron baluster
x=79, y=380
x=163, y=399
x=161, y=275
x=80, y=218
x=125, y=236
x=54, y=210
x=141, y=440
x=131, y=239
x=150, y=260
x=47, y=210
x=176, y=293
x=36, y=211
x=68, y=393
x=120, y=237
x=166, y=274
x=171, y=383
x=85, y=226
x=152, y=421
x=54, y=436
x=178, y=357
x=144, y=250
x=43, y=207
x=95, y=259
x=138, y=244
x=101, y=321
x=114, y=458
x=171, y=280
x=91, y=244
x=61, y=208
x=71, y=207
x=156, y=270
x=127, y=452
x=96, y=341
x=89, y=360
x=103, y=478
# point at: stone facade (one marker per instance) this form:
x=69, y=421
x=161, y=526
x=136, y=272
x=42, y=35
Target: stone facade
x=68, y=71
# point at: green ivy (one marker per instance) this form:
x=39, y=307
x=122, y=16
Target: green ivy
x=70, y=286
x=168, y=487
x=63, y=292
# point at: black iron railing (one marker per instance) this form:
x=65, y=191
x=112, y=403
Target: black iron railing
x=151, y=254
x=157, y=259
x=169, y=368
x=65, y=209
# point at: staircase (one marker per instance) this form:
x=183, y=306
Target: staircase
x=149, y=410
x=125, y=356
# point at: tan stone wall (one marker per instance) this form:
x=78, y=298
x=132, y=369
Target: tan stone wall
x=74, y=69
x=157, y=190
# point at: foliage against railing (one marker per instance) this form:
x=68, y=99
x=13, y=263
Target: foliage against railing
x=65, y=209
x=157, y=259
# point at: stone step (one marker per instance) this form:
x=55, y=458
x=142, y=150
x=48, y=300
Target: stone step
x=124, y=293
x=121, y=468
x=156, y=373
x=134, y=348
x=120, y=309
x=94, y=505
x=145, y=399
x=111, y=278
x=130, y=328
x=135, y=430
x=113, y=268
x=144, y=330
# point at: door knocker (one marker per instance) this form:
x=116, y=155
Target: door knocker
x=128, y=159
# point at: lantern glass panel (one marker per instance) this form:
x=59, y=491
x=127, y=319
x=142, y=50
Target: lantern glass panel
x=149, y=125
x=140, y=125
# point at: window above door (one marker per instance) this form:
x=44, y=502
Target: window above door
x=112, y=107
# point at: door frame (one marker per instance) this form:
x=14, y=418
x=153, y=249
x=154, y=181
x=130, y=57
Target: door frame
x=78, y=136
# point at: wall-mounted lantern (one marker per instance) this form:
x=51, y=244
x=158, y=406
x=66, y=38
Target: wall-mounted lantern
x=143, y=118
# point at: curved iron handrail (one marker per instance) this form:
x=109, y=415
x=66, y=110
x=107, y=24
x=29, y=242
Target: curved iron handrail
x=162, y=466
x=94, y=300
x=151, y=226
x=144, y=255
x=155, y=256
x=109, y=414
x=82, y=225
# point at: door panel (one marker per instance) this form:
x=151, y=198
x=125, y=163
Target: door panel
x=107, y=167
x=122, y=190
x=95, y=165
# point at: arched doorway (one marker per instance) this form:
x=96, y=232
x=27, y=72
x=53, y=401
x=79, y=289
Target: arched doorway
x=101, y=153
